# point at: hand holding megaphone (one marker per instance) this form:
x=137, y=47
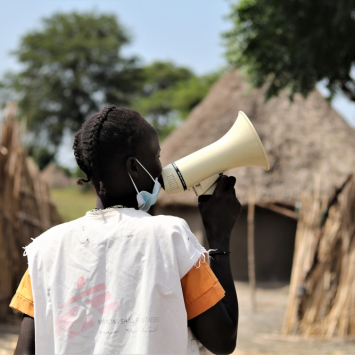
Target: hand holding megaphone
x=220, y=212
x=240, y=146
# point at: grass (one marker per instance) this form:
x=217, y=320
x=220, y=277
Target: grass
x=72, y=202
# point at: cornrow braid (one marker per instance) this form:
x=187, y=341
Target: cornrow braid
x=94, y=145
x=79, y=158
x=105, y=135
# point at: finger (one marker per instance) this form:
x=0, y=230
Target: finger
x=204, y=198
x=222, y=185
x=232, y=181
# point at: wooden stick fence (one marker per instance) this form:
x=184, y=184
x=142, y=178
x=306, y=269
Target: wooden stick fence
x=322, y=290
x=25, y=207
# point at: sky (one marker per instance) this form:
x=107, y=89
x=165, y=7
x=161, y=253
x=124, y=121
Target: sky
x=186, y=32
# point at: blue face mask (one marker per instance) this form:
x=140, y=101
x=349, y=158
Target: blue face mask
x=145, y=199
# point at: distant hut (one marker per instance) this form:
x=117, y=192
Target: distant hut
x=303, y=140
x=55, y=177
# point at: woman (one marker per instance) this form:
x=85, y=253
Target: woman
x=118, y=280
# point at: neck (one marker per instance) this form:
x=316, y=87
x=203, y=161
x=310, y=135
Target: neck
x=126, y=201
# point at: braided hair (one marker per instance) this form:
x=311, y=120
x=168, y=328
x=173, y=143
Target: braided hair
x=101, y=137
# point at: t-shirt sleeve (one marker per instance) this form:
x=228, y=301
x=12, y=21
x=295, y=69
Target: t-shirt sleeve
x=201, y=289
x=23, y=299
x=188, y=250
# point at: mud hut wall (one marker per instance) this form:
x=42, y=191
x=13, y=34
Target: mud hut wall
x=274, y=242
x=274, y=246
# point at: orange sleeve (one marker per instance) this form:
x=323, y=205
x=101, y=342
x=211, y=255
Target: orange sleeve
x=23, y=299
x=201, y=290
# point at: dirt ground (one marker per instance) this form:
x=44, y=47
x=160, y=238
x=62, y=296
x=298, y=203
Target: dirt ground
x=8, y=338
x=259, y=333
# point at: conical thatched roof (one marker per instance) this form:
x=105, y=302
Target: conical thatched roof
x=304, y=140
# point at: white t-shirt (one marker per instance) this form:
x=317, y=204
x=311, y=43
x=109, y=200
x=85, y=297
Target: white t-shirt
x=109, y=283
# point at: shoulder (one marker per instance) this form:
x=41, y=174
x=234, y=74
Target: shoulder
x=158, y=223
x=179, y=231
x=185, y=245
x=170, y=222
x=53, y=235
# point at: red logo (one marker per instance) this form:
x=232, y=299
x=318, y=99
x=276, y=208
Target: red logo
x=67, y=321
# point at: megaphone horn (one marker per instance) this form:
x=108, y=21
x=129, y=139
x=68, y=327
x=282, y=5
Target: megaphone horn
x=240, y=146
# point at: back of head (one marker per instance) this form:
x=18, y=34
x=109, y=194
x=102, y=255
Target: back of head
x=107, y=134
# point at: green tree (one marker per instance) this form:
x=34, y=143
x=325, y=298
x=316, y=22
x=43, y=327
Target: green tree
x=71, y=67
x=169, y=94
x=294, y=44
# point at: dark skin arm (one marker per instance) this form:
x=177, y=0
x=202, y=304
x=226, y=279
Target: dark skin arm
x=26, y=339
x=217, y=328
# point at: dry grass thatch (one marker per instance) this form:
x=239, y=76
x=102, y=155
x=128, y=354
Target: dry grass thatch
x=322, y=290
x=25, y=207
x=302, y=139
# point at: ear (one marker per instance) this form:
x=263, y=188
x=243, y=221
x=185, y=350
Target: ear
x=132, y=167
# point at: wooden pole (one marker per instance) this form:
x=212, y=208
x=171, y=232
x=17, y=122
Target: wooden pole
x=251, y=252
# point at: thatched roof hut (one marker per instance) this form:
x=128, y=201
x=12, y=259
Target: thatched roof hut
x=54, y=177
x=304, y=140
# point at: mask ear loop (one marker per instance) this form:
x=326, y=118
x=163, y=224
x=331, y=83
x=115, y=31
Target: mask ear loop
x=133, y=182
x=140, y=200
x=145, y=170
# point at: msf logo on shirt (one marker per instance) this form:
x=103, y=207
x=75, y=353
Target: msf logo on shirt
x=67, y=322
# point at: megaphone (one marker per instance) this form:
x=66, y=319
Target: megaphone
x=240, y=146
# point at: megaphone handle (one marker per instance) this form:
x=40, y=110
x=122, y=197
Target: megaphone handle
x=207, y=186
x=207, y=195
x=211, y=189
